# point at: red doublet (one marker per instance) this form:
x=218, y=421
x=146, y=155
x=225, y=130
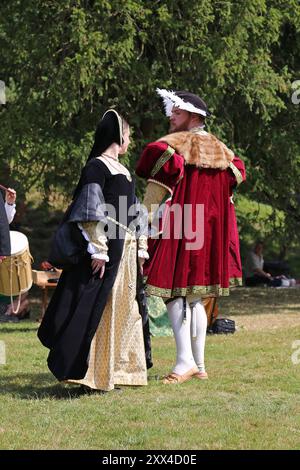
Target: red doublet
x=206, y=259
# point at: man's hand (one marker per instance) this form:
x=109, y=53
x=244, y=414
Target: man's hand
x=2, y=258
x=98, y=265
x=10, y=196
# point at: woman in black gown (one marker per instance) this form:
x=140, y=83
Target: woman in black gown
x=92, y=325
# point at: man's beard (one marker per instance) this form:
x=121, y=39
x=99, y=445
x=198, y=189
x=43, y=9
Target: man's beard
x=181, y=127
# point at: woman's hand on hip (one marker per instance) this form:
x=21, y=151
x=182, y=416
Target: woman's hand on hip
x=98, y=265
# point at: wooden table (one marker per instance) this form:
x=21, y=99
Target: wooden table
x=41, y=280
x=45, y=286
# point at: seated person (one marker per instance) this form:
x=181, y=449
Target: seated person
x=255, y=274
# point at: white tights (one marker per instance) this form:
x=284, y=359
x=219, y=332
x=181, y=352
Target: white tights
x=198, y=332
x=190, y=351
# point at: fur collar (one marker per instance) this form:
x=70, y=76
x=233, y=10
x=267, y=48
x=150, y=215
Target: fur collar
x=200, y=149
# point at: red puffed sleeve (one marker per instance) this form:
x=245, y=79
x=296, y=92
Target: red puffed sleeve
x=238, y=172
x=160, y=164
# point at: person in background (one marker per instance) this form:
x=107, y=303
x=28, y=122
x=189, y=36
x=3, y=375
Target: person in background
x=255, y=275
x=254, y=267
x=10, y=204
x=9, y=311
x=7, y=212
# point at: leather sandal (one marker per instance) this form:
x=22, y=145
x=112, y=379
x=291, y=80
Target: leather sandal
x=173, y=378
x=201, y=375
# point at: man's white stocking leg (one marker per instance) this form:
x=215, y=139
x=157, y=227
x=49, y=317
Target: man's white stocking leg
x=198, y=332
x=181, y=325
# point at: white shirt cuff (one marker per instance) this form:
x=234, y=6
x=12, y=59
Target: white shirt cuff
x=92, y=249
x=10, y=211
x=143, y=254
x=100, y=256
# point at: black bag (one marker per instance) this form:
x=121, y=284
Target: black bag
x=68, y=246
x=223, y=326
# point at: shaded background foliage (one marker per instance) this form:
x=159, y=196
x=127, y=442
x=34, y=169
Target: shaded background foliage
x=65, y=62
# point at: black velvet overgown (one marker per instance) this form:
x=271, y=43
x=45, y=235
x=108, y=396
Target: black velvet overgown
x=77, y=304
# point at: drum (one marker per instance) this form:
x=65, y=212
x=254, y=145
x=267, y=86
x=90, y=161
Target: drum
x=15, y=270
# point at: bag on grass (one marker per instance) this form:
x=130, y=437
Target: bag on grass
x=223, y=326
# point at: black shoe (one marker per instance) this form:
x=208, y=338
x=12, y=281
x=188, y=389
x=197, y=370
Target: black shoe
x=13, y=319
x=3, y=318
x=93, y=391
x=3, y=308
x=9, y=319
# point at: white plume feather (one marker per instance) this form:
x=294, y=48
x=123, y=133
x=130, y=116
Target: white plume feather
x=170, y=99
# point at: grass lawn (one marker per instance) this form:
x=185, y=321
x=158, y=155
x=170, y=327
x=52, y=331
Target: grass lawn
x=251, y=400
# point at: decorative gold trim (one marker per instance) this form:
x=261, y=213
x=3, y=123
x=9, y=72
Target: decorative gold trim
x=235, y=281
x=120, y=123
x=180, y=178
x=236, y=173
x=161, y=184
x=204, y=291
x=159, y=292
x=121, y=225
x=162, y=160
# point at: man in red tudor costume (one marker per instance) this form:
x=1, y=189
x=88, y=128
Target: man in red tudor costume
x=196, y=253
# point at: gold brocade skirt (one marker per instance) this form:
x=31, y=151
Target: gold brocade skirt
x=117, y=354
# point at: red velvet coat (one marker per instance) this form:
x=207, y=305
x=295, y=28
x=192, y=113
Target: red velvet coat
x=209, y=267
x=235, y=264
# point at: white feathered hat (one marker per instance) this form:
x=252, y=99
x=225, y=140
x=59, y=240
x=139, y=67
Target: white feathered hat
x=183, y=100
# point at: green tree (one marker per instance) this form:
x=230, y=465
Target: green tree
x=65, y=62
